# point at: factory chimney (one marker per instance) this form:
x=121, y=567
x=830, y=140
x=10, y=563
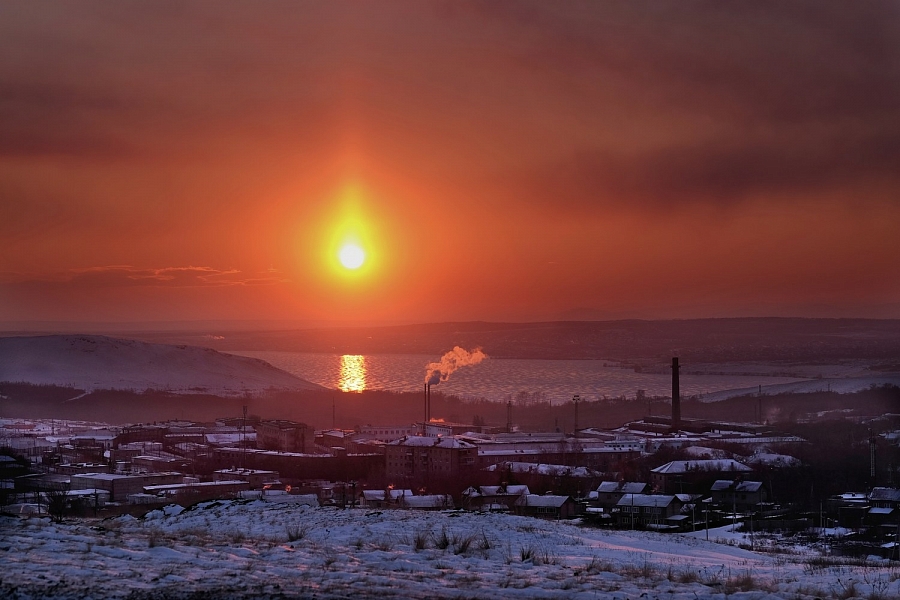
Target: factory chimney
x=676, y=397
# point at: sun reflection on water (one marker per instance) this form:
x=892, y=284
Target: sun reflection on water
x=353, y=373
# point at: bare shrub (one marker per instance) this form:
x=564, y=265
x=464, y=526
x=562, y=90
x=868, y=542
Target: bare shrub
x=484, y=543
x=744, y=582
x=546, y=557
x=57, y=503
x=420, y=541
x=526, y=553
x=155, y=538
x=442, y=541
x=644, y=569
x=237, y=536
x=461, y=545
x=385, y=544
x=688, y=576
x=296, y=532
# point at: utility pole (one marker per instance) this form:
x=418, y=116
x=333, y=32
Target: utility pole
x=243, y=434
x=575, y=399
x=872, y=474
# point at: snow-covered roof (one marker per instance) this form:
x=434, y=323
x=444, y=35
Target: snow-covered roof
x=625, y=487
x=432, y=442
x=885, y=494
x=740, y=486
x=379, y=494
x=539, y=500
x=645, y=500
x=229, y=438
x=202, y=484
x=511, y=490
x=687, y=466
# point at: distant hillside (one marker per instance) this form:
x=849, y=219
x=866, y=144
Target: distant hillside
x=90, y=363
x=695, y=340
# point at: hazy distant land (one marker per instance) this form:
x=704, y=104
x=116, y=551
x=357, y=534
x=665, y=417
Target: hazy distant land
x=122, y=381
x=637, y=341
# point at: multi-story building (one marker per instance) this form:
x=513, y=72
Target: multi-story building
x=422, y=458
x=388, y=433
x=284, y=436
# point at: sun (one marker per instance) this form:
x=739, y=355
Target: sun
x=352, y=256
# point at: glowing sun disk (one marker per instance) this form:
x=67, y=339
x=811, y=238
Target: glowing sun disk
x=352, y=256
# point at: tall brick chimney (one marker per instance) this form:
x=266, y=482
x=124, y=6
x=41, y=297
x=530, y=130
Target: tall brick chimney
x=676, y=397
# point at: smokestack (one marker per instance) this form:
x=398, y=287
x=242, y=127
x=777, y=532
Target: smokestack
x=428, y=405
x=425, y=397
x=676, y=397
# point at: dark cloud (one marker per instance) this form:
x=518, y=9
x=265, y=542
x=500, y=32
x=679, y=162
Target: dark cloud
x=118, y=276
x=722, y=172
x=752, y=61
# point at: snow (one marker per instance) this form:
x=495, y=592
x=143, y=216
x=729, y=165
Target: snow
x=432, y=442
x=686, y=466
x=703, y=452
x=92, y=362
x=542, y=469
x=773, y=459
x=235, y=549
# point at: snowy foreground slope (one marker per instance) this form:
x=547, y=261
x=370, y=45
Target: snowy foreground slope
x=270, y=550
x=91, y=362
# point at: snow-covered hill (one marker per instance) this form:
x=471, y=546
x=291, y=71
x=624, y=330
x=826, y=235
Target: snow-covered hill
x=232, y=550
x=92, y=362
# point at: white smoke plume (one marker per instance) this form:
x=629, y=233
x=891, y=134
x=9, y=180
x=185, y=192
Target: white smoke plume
x=437, y=372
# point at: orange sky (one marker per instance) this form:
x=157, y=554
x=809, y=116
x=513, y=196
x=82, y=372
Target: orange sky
x=168, y=161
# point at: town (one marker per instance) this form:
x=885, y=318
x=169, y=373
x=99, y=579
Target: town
x=662, y=473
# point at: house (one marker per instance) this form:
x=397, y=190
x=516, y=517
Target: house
x=493, y=498
x=883, y=497
x=648, y=511
x=738, y=495
x=382, y=498
x=884, y=504
x=608, y=493
x=427, y=502
x=681, y=476
x=546, y=506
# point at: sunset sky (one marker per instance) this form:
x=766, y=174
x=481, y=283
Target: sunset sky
x=165, y=161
